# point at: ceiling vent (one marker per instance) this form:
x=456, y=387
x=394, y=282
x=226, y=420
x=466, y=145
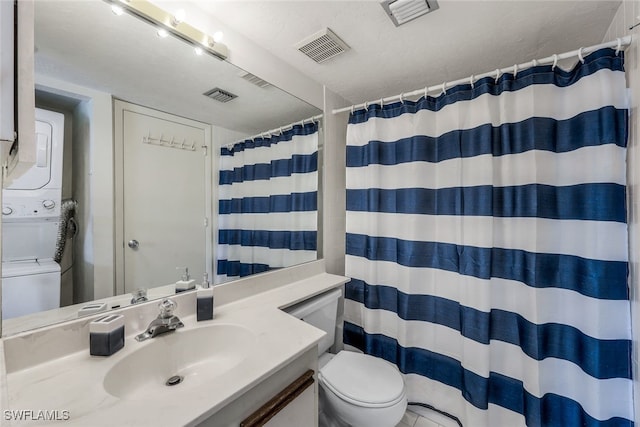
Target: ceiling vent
x=403, y=11
x=253, y=79
x=322, y=46
x=220, y=95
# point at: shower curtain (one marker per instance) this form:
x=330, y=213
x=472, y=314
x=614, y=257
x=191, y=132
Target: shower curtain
x=267, y=210
x=487, y=246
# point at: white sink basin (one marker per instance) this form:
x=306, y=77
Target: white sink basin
x=196, y=355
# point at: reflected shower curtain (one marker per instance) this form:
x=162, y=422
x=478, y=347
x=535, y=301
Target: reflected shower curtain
x=267, y=210
x=487, y=246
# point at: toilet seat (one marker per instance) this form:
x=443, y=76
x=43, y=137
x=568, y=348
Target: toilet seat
x=363, y=380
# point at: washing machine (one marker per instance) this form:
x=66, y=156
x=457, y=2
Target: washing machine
x=30, y=221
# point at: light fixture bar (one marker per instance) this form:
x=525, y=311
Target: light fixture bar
x=151, y=13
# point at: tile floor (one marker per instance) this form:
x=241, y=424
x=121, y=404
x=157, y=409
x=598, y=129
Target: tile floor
x=419, y=417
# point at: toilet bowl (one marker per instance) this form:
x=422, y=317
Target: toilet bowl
x=361, y=391
x=356, y=389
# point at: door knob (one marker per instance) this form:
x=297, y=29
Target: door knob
x=133, y=244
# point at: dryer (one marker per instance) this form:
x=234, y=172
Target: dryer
x=37, y=193
x=30, y=221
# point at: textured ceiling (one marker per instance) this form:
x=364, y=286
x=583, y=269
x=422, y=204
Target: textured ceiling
x=459, y=39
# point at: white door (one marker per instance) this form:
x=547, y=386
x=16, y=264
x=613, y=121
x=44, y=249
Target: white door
x=164, y=226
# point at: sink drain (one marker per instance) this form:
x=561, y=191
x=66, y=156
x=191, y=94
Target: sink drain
x=174, y=380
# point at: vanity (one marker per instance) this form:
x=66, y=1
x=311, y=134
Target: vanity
x=250, y=363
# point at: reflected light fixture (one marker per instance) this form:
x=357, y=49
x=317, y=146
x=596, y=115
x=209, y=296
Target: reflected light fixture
x=167, y=24
x=218, y=36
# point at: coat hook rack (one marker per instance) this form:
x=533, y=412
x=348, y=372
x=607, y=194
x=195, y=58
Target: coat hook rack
x=169, y=143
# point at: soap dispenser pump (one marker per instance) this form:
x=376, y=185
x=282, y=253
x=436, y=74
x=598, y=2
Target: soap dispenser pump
x=204, y=300
x=186, y=283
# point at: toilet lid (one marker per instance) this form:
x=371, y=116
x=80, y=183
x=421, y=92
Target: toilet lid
x=363, y=380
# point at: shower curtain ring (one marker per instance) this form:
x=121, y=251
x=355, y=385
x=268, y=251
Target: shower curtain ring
x=401, y=98
x=472, y=81
x=352, y=107
x=515, y=70
x=535, y=63
x=619, y=46
x=444, y=88
x=555, y=62
x=426, y=91
x=497, y=74
x=580, y=57
x=366, y=106
x=381, y=102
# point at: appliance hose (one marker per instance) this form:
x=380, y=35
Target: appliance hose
x=67, y=229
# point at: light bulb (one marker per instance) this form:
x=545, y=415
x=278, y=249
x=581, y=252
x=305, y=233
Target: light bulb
x=117, y=10
x=162, y=33
x=217, y=36
x=198, y=50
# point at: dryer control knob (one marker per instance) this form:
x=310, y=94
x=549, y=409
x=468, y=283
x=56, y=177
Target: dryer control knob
x=7, y=210
x=48, y=204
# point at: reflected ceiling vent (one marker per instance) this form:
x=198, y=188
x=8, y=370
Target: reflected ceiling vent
x=253, y=79
x=322, y=46
x=403, y=11
x=220, y=95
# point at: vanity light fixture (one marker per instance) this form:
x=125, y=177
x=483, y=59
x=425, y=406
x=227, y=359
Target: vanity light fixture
x=174, y=24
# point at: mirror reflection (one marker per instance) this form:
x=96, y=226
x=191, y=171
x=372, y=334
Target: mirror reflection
x=144, y=148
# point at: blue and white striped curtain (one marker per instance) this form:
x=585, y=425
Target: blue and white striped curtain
x=268, y=203
x=487, y=246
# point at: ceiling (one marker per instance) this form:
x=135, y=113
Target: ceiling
x=459, y=39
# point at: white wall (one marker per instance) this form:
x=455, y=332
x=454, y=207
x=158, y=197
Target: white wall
x=334, y=183
x=625, y=18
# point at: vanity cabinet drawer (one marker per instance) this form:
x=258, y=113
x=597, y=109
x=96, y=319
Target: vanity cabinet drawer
x=293, y=406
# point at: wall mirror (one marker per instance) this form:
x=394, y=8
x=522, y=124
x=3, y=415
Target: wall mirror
x=118, y=84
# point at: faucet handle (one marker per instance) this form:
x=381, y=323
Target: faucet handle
x=167, y=307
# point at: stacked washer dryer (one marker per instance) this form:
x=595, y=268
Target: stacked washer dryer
x=30, y=220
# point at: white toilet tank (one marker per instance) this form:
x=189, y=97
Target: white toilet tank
x=320, y=311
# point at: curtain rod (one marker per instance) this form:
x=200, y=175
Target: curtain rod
x=276, y=130
x=553, y=59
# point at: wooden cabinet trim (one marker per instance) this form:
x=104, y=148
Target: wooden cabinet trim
x=270, y=409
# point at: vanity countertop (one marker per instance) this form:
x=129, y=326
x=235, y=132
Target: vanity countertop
x=74, y=382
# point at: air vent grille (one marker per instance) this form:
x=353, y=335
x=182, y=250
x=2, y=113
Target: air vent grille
x=220, y=95
x=322, y=46
x=403, y=11
x=253, y=79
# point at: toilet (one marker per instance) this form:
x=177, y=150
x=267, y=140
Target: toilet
x=355, y=389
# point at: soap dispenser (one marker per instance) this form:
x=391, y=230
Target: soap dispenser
x=204, y=300
x=186, y=283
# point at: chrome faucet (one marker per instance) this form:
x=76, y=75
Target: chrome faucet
x=165, y=322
